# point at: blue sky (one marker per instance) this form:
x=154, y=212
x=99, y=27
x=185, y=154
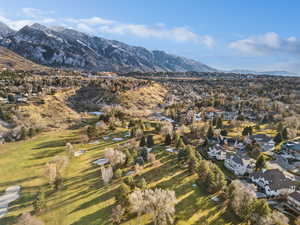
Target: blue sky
x=225, y=34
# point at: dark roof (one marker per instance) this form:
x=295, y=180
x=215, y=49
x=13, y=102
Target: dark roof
x=261, y=137
x=295, y=195
x=235, y=158
x=277, y=180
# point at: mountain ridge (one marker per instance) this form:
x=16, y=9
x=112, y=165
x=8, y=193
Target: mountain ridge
x=68, y=48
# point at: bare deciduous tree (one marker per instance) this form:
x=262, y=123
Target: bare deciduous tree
x=117, y=214
x=167, y=128
x=107, y=174
x=70, y=149
x=115, y=157
x=51, y=172
x=160, y=203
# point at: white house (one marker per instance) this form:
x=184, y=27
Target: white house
x=293, y=201
x=273, y=181
x=238, y=165
x=217, y=152
x=265, y=142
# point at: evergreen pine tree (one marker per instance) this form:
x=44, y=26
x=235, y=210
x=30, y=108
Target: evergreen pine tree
x=150, y=141
x=168, y=139
x=39, y=204
x=142, y=142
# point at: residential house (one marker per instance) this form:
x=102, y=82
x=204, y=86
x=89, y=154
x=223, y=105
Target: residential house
x=265, y=142
x=293, y=201
x=291, y=149
x=238, y=165
x=273, y=182
x=217, y=152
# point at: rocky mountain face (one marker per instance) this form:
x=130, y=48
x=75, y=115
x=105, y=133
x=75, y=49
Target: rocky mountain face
x=67, y=48
x=5, y=30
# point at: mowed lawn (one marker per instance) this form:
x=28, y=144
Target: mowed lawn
x=84, y=200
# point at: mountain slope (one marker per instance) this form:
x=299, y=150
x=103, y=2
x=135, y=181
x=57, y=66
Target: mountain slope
x=11, y=60
x=275, y=73
x=67, y=48
x=5, y=30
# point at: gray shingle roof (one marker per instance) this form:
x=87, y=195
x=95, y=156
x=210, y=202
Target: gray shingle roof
x=277, y=180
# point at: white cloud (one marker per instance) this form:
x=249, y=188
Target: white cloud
x=98, y=25
x=267, y=43
x=35, y=13
x=159, y=31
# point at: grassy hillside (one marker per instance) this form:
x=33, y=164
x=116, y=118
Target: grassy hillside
x=54, y=112
x=11, y=60
x=85, y=200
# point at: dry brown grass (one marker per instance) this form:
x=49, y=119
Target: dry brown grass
x=13, y=61
x=54, y=113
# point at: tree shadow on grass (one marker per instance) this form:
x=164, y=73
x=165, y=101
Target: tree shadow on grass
x=96, y=218
x=55, y=143
x=102, y=198
x=47, y=154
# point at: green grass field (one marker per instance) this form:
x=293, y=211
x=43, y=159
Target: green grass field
x=84, y=200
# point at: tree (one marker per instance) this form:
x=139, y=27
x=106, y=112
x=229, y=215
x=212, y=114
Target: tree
x=278, y=138
x=159, y=203
x=137, y=203
x=70, y=149
x=107, y=174
x=182, y=154
x=115, y=157
x=261, y=162
x=168, y=139
x=284, y=134
x=150, y=141
x=166, y=129
x=247, y=131
x=91, y=131
x=142, y=184
x=142, y=142
x=28, y=219
x=193, y=159
x=210, y=133
x=31, y=132
x=151, y=157
x=118, y=173
x=129, y=158
x=261, y=209
x=51, y=173
x=224, y=132
x=39, y=205
x=180, y=144
x=219, y=124
x=122, y=195
x=117, y=214
x=23, y=134
x=211, y=176
x=144, y=154
x=243, y=200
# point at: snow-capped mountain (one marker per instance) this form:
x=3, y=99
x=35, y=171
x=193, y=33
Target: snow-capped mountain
x=5, y=30
x=62, y=47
